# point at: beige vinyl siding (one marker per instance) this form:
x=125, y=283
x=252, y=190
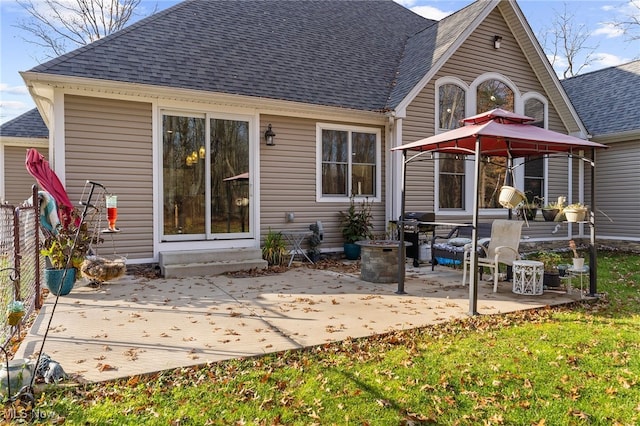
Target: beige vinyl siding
x=618, y=190
x=288, y=181
x=476, y=56
x=110, y=142
x=18, y=182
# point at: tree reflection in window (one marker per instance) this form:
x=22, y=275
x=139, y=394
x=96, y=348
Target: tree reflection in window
x=494, y=94
x=451, y=185
x=535, y=109
x=452, y=106
x=349, y=163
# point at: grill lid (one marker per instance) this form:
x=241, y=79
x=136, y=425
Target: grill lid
x=420, y=216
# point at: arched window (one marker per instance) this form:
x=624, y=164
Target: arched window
x=452, y=106
x=534, y=108
x=493, y=94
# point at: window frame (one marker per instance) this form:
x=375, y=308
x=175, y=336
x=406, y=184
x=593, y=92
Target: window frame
x=320, y=127
x=465, y=191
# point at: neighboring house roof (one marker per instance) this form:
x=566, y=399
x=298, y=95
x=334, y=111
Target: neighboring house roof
x=336, y=53
x=27, y=125
x=607, y=100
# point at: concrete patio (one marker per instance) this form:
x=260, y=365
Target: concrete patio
x=140, y=325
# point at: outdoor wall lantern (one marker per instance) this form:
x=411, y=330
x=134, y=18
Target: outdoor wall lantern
x=269, y=136
x=496, y=41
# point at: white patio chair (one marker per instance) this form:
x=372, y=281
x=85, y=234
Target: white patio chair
x=503, y=248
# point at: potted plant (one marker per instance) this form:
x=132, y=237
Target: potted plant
x=575, y=212
x=529, y=208
x=15, y=312
x=528, y=211
x=355, y=226
x=65, y=253
x=551, y=211
x=274, y=250
x=551, y=273
x=578, y=262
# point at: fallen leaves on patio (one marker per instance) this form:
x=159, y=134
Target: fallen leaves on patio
x=572, y=365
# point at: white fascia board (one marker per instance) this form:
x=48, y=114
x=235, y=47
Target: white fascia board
x=123, y=90
x=21, y=141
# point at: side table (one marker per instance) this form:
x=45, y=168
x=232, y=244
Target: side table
x=576, y=273
x=527, y=277
x=295, y=239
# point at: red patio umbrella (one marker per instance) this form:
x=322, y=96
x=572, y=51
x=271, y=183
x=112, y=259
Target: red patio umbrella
x=39, y=168
x=500, y=133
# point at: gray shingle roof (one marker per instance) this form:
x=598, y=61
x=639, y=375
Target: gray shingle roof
x=331, y=52
x=27, y=125
x=607, y=100
x=428, y=46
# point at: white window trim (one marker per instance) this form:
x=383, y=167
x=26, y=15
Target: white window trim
x=436, y=197
x=441, y=82
x=472, y=94
x=203, y=241
x=345, y=199
x=537, y=96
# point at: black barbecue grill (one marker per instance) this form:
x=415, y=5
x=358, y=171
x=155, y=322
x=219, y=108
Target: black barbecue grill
x=414, y=226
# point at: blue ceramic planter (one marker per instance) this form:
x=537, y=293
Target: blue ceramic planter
x=53, y=280
x=351, y=251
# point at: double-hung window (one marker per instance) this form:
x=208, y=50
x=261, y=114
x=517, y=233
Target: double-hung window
x=349, y=162
x=451, y=109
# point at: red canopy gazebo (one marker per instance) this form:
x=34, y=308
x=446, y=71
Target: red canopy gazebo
x=506, y=134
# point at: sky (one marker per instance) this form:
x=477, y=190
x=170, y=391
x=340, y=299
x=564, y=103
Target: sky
x=17, y=54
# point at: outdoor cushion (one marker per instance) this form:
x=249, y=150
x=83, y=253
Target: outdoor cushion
x=459, y=242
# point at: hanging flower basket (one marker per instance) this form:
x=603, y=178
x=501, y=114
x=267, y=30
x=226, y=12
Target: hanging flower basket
x=510, y=197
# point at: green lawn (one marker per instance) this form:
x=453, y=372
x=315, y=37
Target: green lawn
x=572, y=365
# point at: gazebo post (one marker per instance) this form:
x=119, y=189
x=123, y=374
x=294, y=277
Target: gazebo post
x=593, y=251
x=473, y=267
x=401, y=249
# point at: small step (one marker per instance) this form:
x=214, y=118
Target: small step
x=190, y=263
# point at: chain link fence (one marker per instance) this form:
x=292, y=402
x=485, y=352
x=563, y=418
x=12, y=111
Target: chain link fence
x=20, y=264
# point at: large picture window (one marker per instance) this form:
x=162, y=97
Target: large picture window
x=350, y=162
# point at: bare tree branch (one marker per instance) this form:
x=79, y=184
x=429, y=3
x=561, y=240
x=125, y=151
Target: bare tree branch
x=566, y=40
x=61, y=25
x=629, y=24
